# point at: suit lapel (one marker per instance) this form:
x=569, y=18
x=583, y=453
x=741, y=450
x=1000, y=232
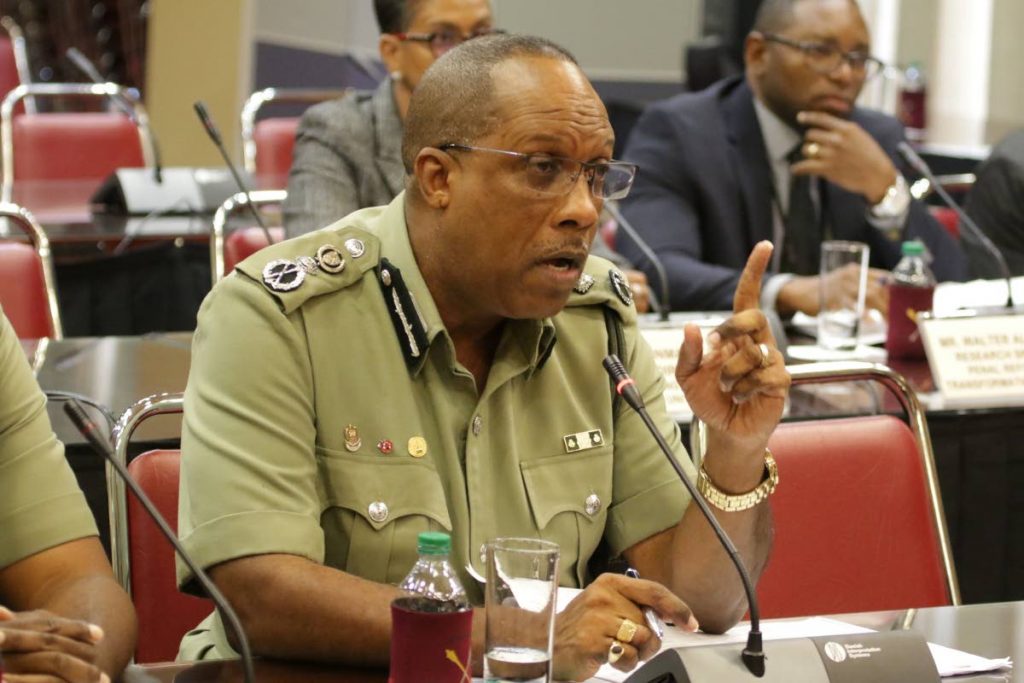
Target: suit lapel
x=749, y=160
x=388, y=133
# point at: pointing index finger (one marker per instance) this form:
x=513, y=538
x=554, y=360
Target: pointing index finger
x=748, y=290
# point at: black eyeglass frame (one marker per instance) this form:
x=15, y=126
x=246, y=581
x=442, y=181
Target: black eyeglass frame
x=860, y=62
x=439, y=48
x=590, y=167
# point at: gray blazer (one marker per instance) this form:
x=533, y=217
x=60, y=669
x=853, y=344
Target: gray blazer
x=348, y=155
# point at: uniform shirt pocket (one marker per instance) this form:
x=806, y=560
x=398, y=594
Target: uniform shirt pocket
x=375, y=509
x=569, y=498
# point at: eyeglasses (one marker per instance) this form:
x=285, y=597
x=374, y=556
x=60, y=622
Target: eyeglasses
x=825, y=58
x=445, y=39
x=551, y=175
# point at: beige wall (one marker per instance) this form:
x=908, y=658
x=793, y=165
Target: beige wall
x=197, y=49
x=1006, y=85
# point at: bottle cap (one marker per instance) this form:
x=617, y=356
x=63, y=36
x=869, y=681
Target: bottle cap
x=434, y=543
x=913, y=248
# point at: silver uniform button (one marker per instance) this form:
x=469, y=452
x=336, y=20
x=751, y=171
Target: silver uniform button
x=355, y=247
x=378, y=511
x=478, y=423
x=592, y=504
x=385, y=277
x=483, y=554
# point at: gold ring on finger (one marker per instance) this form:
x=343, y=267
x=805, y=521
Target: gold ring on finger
x=765, y=355
x=615, y=652
x=627, y=629
x=813, y=150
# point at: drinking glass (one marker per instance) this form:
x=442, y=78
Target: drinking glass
x=842, y=288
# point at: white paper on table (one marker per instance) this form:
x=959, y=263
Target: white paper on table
x=948, y=661
x=952, y=296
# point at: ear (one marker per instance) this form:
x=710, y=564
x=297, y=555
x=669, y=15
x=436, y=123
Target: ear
x=435, y=171
x=755, y=49
x=389, y=47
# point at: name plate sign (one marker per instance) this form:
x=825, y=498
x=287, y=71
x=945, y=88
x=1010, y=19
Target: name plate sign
x=665, y=343
x=976, y=359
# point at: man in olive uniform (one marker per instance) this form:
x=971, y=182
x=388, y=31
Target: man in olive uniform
x=62, y=614
x=436, y=364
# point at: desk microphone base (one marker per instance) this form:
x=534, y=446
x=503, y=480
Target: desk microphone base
x=884, y=657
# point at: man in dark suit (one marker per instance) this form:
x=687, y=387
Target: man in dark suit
x=780, y=154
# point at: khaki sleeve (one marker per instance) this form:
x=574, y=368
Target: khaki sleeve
x=248, y=469
x=41, y=505
x=647, y=496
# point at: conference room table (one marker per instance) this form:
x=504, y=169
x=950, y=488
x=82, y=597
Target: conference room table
x=992, y=631
x=124, y=274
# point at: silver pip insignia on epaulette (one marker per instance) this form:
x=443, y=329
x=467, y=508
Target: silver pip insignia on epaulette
x=584, y=284
x=621, y=287
x=282, y=275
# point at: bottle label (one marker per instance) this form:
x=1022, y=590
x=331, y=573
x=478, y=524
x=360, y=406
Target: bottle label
x=903, y=338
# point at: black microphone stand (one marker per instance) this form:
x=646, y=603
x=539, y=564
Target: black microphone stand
x=99, y=444
x=753, y=654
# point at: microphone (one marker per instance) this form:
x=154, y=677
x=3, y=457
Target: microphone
x=918, y=164
x=753, y=654
x=92, y=73
x=663, y=291
x=211, y=130
x=99, y=444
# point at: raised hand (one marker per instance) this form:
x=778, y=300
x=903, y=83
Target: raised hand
x=739, y=387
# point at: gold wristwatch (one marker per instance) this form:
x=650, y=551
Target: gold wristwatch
x=744, y=501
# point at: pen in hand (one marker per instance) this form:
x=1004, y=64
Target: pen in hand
x=653, y=622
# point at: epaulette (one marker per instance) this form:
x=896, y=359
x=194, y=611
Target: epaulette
x=320, y=262
x=603, y=284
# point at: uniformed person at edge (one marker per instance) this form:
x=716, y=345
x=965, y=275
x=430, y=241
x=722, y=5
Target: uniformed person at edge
x=62, y=614
x=428, y=365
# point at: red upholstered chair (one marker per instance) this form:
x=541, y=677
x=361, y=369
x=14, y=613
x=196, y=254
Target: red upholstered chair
x=13, y=58
x=957, y=185
x=267, y=144
x=71, y=146
x=143, y=559
x=227, y=250
x=948, y=218
x=28, y=287
x=859, y=524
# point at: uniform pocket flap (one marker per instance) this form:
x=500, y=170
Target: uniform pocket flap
x=383, y=490
x=580, y=483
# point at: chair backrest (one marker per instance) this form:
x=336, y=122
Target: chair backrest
x=957, y=185
x=143, y=559
x=14, y=68
x=274, y=139
x=244, y=242
x=164, y=614
x=859, y=524
x=63, y=145
x=28, y=287
x=854, y=529
x=226, y=253
x=948, y=218
x=267, y=145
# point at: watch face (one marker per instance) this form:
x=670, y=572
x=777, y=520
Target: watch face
x=895, y=202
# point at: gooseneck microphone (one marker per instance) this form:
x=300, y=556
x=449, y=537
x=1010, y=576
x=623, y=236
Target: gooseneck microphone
x=664, y=307
x=921, y=166
x=86, y=66
x=99, y=444
x=214, y=134
x=753, y=654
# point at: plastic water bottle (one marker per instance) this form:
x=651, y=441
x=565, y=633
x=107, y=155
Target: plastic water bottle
x=910, y=293
x=432, y=625
x=913, y=100
x=432, y=578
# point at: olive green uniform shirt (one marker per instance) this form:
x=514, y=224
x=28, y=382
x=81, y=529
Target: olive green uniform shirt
x=41, y=505
x=308, y=412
